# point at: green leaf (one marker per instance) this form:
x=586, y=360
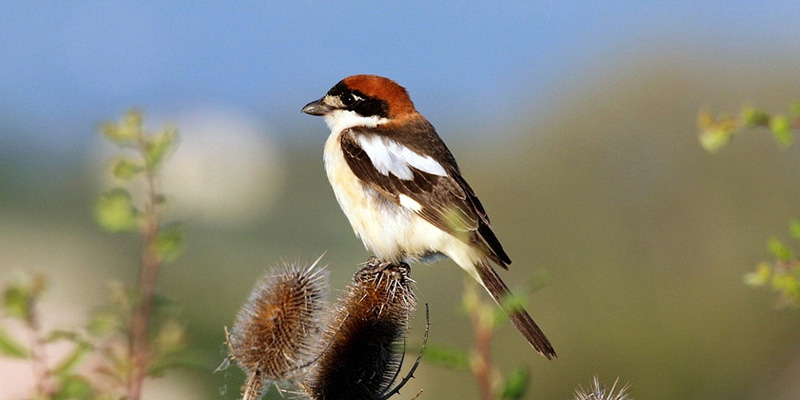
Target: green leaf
x=170, y=243
x=74, y=387
x=715, y=133
x=516, y=384
x=17, y=301
x=781, y=129
x=10, y=348
x=157, y=147
x=115, y=212
x=447, y=357
x=779, y=250
x=786, y=283
x=127, y=131
x=760, y=277
x=126, y=169
x=20, y=297
x=715, y=138
x=753, y=117
x=68, y=364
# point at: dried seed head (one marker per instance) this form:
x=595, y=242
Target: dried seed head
x=363, y=353
x=276, y=332
x=597, y=392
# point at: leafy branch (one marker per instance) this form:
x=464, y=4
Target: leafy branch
x=783, y=273
x=136, y=334
x=117, y=213
x=717, y=131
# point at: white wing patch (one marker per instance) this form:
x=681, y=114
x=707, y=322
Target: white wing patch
x=409, y=203
x=390, y=157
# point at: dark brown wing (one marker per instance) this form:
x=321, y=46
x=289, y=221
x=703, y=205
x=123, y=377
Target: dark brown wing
x=446, y=201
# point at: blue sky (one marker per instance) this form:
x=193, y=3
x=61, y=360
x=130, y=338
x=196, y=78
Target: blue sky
x=67, y=65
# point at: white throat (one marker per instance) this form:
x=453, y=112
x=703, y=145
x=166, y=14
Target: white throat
x=339, y=120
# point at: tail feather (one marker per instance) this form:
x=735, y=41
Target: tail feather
x=518, y=316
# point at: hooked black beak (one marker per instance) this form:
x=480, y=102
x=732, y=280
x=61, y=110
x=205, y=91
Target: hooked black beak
x=316, y=107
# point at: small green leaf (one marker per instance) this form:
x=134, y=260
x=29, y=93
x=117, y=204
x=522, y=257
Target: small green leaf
x=115, y=212
x=157, y=147
x=781, y=129
x=127, y=131
x=447, y=357
x=170, y=243
x=785, y=283
x=10, y=348
x=714, y=139
x=715, y=133
x=74, y=387
x=779, y=250
x=761, y=275
x=516, y=384
x=17, y=301
x=753, y=117
x=126, y=169
x=20, y=297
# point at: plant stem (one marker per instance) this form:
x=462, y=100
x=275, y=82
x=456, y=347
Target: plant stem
x=41, y=371
x=148, y=274
x=481, y=365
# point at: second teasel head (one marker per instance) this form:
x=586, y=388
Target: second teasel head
x=363, y=340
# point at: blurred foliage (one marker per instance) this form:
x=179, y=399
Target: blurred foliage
x=487, y=319
x=100, y=362
x=783, y=273
x=718, y=131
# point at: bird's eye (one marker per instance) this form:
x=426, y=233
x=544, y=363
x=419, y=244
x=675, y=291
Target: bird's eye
x=348, y=99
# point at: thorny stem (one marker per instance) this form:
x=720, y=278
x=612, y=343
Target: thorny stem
x=481, y=365
x=148, y=273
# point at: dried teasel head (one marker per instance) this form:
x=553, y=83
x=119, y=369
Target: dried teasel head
x=276, y=332
x=596, y=391
x=363, y=353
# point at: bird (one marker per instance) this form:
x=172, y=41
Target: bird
x=402, y=190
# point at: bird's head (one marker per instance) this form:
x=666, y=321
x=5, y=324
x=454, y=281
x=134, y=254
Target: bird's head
x=362, y=100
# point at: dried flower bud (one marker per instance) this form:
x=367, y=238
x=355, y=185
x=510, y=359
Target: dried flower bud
x=276, y=332
x=363, y=354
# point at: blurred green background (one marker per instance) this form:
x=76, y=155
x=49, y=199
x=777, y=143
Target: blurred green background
x=575, y=124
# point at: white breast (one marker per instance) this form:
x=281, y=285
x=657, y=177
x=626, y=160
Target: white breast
x=389, y=230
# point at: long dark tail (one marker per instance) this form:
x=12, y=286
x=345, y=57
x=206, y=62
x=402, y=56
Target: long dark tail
x=518, y=316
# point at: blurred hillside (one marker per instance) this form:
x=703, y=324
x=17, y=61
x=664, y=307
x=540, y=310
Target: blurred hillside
x=640, y=237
